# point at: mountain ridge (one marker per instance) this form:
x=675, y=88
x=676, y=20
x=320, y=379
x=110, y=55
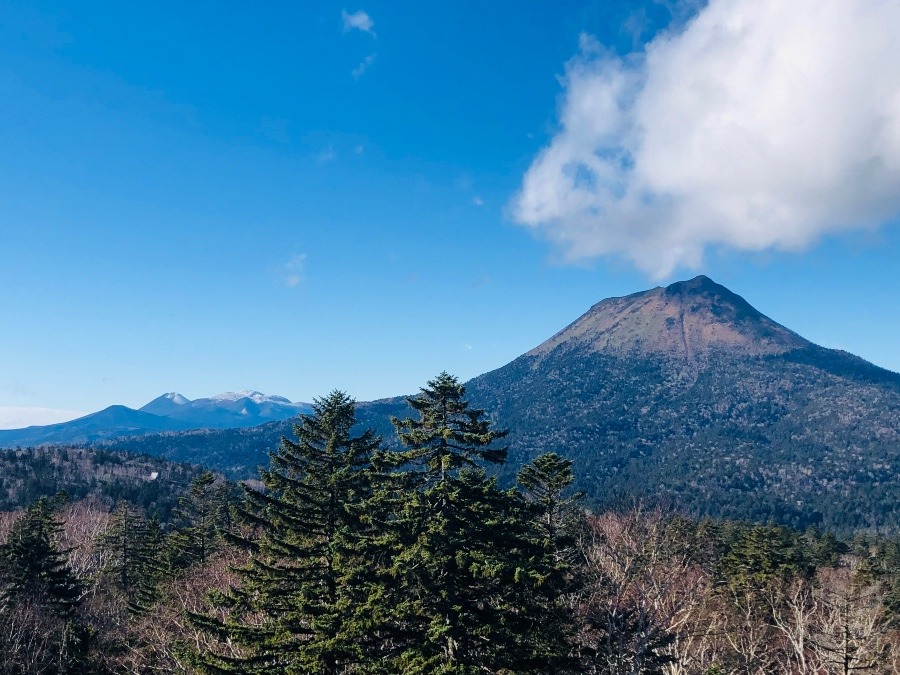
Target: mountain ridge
x=169, y=412
x=720, y=411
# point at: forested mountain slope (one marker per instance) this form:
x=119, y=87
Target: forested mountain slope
x=684, y=395
x=150, y=483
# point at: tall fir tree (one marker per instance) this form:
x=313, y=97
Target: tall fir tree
x=34, y=573
x=201, y=517
x=547, y=481
x=552, y=508
x=33, y=565
x=295, y=609
x=465, y=565
x=448, y=434
x=134, y=550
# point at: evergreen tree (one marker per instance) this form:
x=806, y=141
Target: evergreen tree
x=761, y=555
x=464, y=567
x=552, y=509
x=120, y=544
x=34, y=572
x=294, y=611
x=547, y=480
x=152, y=570
x=134, y=547
x=34, y=566
x=448, y=435
x=202, y=515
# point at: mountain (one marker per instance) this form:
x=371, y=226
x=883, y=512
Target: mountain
x=688, y=396
x=111, y=422
x=226, y=411
x=684, y=396
x=165, y=405
x=168, y=412
x=684, y=324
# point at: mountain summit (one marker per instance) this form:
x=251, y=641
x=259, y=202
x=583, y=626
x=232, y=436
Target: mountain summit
x=690, y=397
x=685, y=321
x=166, y=404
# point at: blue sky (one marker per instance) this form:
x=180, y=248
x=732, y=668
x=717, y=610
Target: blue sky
x=306, y=196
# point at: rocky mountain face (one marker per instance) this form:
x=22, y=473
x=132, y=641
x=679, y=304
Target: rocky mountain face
x=685, y=323
x=684, y=396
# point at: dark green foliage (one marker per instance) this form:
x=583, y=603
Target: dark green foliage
x=825, y=549
x=807, y=438
x=201, y=517
x=134, y=552
x=448, y=435
x=297, y=607
x=28, y=474
x=466, y=569
x=39, y=593
x=552, y=511
x=547, y=480
x=412, y=561
x=761, y=555
x=33, y=566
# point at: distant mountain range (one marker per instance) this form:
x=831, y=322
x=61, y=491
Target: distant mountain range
x=169, y=412
x=685, y=396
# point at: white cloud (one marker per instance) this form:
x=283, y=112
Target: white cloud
x=358, y=21
x=363, y=66
x=761, y=124
x=17, y=418
x=293, y=272
x=478, y=201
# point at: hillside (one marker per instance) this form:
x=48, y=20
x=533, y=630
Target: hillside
x=151, y=483
x=684, y=395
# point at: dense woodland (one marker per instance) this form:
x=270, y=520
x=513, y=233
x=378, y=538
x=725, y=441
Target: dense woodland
x=150, y=484
x=806, y=438
x=354, y=554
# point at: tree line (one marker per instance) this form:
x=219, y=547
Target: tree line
x=347, y=557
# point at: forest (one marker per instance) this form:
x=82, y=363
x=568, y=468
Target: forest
x=353, y=554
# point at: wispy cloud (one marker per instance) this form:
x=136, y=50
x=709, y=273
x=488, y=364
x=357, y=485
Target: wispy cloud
x=293, y=272
x=326, y=155
x=759, y=124
x=363, y=66
x=477, y=201
x=358, y=21
x=17, y=418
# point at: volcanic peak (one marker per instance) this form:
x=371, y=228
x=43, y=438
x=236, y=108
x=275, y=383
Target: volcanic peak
x=687, y=320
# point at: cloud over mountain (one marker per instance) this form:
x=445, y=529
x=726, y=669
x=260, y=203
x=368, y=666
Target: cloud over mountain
x=759, y=124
